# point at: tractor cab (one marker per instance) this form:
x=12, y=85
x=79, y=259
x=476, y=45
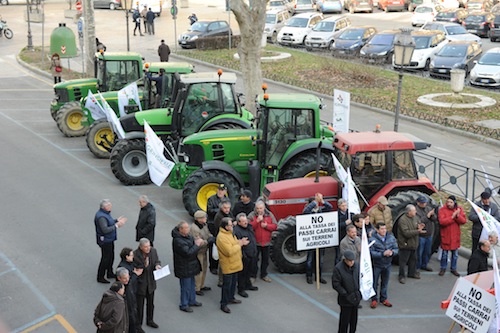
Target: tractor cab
x=115, y=71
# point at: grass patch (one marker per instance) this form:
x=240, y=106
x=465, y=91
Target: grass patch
x=462, y=99
x=370, y=85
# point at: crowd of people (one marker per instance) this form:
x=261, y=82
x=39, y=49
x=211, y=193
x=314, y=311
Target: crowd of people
x=233, y=242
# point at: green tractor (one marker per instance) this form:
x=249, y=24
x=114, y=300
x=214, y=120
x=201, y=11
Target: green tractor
x=100, y=137
x=204, y=101
x=113, y=71
x=283, y=146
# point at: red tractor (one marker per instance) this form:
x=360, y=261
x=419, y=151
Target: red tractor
x=381, y=164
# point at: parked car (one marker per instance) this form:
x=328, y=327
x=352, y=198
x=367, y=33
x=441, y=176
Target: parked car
x=203, y=29
x=329, y=6
x=452, y=31
x=302, y=6
x=424, y=13
x=354, y=6
x=448, y=3
x=281, y=5
x=297, y=28
x=478, y=6
x=351, y=40
x=412, y=4
x=495, y=9
x=456, y=15
x=455, y=55
x=495, y=30
x=479, y=23
x=111, y=4
x=380, y=48
x=427, y=44
x=392, y=5
x=275, y=20
x=324, y=33
x=486, y=73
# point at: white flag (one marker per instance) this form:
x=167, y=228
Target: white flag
x=339, y=169
x=489, y=222
x=159, y=167
x=350, y=195
x=93, y=106
x=126, y=95
x=494, y=192
x=112, y=118
x=496, y=280
x=365, y=268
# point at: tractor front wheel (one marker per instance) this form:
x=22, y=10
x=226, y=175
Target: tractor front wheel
x=129, y=163
x=69, y=120
x=202, y=184
x=100, y=139
x=304, y=165
x=283, y=251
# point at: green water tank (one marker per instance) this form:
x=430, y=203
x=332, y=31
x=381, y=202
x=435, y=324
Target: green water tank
x=63, y=42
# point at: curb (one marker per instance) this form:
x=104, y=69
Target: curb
x=32, y=68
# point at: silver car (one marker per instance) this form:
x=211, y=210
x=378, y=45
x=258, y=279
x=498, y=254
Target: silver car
x=323, y=34
x=111, y=4
x=275, y=20
x=486, y=73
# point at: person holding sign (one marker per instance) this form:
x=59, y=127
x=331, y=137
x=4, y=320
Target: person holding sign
x=384, y=248
x=316, y=205
x=477, y=227
x=451, y=216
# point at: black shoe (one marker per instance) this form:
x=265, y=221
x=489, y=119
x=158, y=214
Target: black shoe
x=243, y=293
x=454, y=272
x=234, y=301
x=197, y=304
x=155, y=325
x=200, y=293
x=214, y=271
x=111, y=276
x=225, y=309
x=102, y=280
x=219, y=285
x=253, y=288
x=140, y=330
x=310, y=280
x=186, y=309
x=206, y=289
x=322, y=281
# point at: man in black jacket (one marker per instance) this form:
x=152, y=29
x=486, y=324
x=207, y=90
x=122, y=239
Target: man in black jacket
x=345, y=281
x=130, y=283
x=244, y=230
x=478, y=261
x=146, y=223
x=245, y=204
x=186, y=263
x=477, y=227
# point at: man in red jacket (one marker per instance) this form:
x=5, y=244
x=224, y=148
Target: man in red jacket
x=263, y=225
x=450, y=217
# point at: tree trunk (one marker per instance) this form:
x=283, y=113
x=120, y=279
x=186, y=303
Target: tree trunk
x=251, y=19
x=89, y=36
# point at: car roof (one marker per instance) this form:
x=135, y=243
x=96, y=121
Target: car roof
x=307, y=15
x=334, y=18
x=357, y=27
x=426, y=32
x=208, y=21
x=275, y=11
x=388, y=32
x=493, y=50
x=450, y=10
x=478, y=14
x=462, y=42
x=442, y=23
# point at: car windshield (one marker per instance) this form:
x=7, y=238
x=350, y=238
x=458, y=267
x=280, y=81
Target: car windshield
x=351, y=34
x=455, y=30
x=492, y=59
x=382, y=40
x=324, y=26
x=276, y=4
x=298, y=22
x=454, y=51
x=423, y=9
x=199, y=26
x=446, y=15
x=421, y=42
x=475, y=19
x=304, y=2
x=270, y=18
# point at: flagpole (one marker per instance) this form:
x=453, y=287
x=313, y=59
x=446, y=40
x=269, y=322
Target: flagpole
x=317, y=268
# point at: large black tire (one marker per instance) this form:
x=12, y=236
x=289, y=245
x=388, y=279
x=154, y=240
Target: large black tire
x=283, y=251
x=129, y=163
x=304, y=165
x=4, y=2
x=202, y=184
x=100, y=139
x=8, y=33
x=69, y=119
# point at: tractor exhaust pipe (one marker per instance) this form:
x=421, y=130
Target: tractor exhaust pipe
x=318, y=155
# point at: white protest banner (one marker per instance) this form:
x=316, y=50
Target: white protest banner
x=496, y=280
x=489, y=222
x=471, y=307
x=341, y=110
x=95, y=109
x=112, y=118
x=365, y=268
x=349, y=193
x=126, y=95
x=317, y=231
x=159, y=167
x=339, y=169
x=494, y=192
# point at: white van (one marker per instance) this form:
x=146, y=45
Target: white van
x=155, y=5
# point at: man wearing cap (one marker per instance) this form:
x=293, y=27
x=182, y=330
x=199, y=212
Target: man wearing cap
x=212, y=209
x=428, y=217
x=163, y=51
x=381, y=213
x=451, y=217
x=199, y=229
x=345, y=280
x=245, y=204
x=489, y=207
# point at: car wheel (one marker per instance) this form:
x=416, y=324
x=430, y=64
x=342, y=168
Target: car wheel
x=492, y=39
x=427, y=64
x=466, y=69
x=112, y=6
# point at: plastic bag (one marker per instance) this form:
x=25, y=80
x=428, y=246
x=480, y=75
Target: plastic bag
x=215, y=252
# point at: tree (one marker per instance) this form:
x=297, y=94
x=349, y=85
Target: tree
x=89, y=36
x=251, y=19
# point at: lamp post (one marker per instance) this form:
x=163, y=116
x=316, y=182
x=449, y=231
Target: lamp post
x=30, y=39
x=127, y=6
x=403, y=50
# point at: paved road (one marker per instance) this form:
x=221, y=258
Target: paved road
x=51, y=187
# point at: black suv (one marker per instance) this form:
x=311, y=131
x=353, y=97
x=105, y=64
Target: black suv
x=456, y=15
x=202, y=29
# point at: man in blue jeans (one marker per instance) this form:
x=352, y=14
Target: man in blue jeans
x=382, y=252
x=428, y=217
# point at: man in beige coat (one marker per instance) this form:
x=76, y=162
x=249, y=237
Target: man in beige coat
x=381, y=213
x=199, y=229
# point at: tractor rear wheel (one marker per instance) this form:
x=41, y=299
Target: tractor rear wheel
x=100, y=139
x=69, y=119
x=304, y=165
x=129, y=163
x=283, y=251
x=202, y=184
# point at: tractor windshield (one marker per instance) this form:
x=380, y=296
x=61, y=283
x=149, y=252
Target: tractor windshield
x=114, y=75
x=285, y=126
x=204, y=101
